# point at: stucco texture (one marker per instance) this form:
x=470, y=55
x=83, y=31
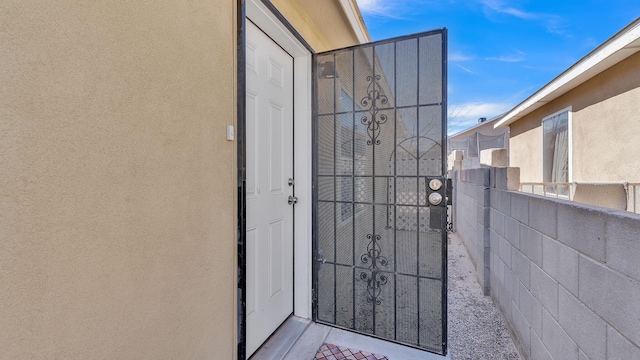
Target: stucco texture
x=322, y=24
x=604, y=124
x=117, y=190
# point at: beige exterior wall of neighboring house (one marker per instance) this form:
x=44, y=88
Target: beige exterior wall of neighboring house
x=525, y=147
x=604, y=124
x=118, y=207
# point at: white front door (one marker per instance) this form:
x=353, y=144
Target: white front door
x=269, y=165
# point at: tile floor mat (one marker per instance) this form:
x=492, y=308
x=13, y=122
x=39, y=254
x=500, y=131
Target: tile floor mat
x=333, y=352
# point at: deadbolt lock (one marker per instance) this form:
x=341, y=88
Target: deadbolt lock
x=435, y=184
x=291, y=182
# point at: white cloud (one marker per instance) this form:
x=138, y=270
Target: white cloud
x=465, y=69
x=518, y=13
x=554, y=24
x=479, y=109
x=384, y=8
x=456, y=56
x=368, y=6
x=393, y=9
x=499, y=6
x=464, y=116
x=508, y=58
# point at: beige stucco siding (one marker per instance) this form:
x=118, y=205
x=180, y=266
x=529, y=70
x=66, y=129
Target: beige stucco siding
x=525, y=147
x=322, y=24
x=117, y=189
x=605, y=125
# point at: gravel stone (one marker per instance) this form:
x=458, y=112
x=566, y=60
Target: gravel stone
x=477, y=329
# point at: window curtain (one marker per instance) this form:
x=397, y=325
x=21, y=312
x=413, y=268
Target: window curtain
x=560, y=170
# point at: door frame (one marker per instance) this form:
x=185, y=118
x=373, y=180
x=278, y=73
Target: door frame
x=266, y=17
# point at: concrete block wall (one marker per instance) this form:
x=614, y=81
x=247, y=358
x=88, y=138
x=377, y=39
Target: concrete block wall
x=494, y=157
x=472, y=218
x=565, y=275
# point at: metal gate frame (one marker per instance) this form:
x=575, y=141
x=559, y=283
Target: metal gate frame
x=373, y=137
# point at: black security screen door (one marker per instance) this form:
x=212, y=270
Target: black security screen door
x=380, y=214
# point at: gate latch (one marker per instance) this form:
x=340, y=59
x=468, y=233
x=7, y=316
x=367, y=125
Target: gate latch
x=292, y=200
x=321, y=258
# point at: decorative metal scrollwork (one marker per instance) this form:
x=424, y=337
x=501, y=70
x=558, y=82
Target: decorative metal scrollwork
x=371, y=102
x=375, y=279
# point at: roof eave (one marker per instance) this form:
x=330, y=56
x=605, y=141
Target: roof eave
x=352, y=11
x=476, y=126
x=619, y=47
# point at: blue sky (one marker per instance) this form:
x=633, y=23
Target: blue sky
x=501, y=51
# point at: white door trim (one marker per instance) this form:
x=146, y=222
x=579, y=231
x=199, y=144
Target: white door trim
x=268, y=22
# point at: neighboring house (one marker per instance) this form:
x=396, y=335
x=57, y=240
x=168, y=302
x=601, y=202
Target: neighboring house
x=474, y=140
x=583, y=125
x=151, y=154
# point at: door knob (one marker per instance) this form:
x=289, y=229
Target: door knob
x=435, y=198
x=292, y=200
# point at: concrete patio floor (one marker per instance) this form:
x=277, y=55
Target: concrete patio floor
x=300, y=339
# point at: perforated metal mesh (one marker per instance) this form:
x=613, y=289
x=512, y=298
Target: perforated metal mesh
x=380, y=248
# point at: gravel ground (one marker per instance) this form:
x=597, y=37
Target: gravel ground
x=477, y=330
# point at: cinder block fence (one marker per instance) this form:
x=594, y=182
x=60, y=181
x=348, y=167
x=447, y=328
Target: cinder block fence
x=565, y=275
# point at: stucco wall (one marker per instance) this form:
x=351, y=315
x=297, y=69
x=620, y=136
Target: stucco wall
x=525, y=146
x=605, y=124
x=310, y=19
x=117, y=190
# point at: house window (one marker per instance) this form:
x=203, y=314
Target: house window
x=555, y=149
